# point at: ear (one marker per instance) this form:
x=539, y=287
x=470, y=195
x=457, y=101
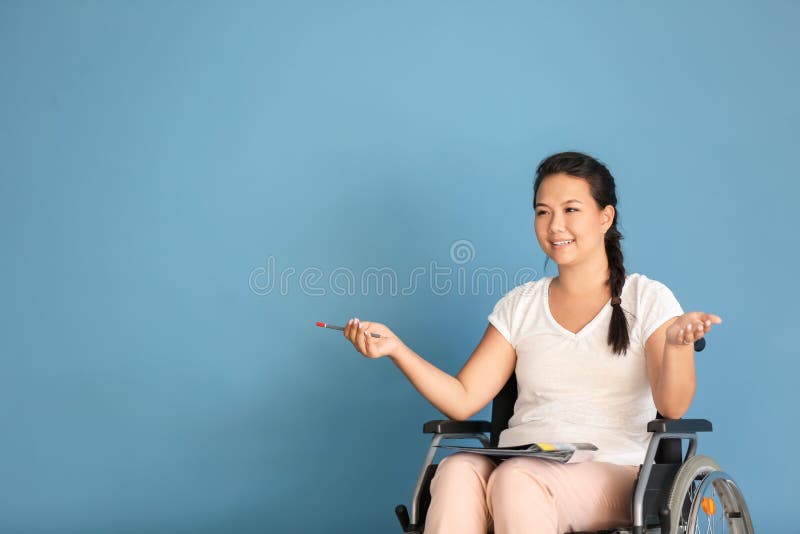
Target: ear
x=608, y=215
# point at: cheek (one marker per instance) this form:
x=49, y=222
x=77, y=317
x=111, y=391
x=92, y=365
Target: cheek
x=540, y=230
x=584, y=225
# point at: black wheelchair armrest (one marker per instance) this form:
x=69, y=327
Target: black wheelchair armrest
x=448, y=426
x=679, y=426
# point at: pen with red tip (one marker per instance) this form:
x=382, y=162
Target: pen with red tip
x=334, y=327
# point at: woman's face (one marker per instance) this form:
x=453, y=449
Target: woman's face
x=565, y=210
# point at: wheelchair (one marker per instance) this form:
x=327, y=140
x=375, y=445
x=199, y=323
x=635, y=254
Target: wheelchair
x=673, y=493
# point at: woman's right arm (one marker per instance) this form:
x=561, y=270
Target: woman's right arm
x=460, y=397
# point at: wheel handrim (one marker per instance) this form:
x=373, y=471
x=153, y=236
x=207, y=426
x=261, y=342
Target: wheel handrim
x=714, y=505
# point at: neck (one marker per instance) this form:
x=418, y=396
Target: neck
x=587, y=278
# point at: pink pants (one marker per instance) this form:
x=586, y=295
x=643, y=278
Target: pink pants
x=528, y=496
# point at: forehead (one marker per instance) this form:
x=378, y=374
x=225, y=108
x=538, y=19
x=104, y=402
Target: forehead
x=559, y=187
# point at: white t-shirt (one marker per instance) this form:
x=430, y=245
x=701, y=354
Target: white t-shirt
x=572, y=387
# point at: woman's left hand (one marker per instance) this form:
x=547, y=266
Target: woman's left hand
x=690, y=327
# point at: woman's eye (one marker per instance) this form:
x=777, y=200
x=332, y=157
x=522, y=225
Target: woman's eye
x=542, y=212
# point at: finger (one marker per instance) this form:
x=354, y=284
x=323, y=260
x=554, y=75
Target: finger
x=699, y=331
x=367, y=336
x=347, y=328
x=360, y=340
x=687, y=334
x=700, y=335
x=694, y=328
x=714, y=319
x=369, y=342
x=354, y=332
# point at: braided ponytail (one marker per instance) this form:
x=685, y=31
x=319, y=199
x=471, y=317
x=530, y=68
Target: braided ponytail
x=618, y=336
x=602, y=186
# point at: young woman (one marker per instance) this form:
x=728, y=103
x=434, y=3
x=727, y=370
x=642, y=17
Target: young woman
x=596, y=353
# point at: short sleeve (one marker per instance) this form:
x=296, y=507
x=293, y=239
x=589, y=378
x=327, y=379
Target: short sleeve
x=657, y=306
x=502, y=315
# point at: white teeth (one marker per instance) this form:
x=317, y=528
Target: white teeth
x=564, y=242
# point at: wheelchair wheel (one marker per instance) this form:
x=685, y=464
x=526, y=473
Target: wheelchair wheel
x=705, y=499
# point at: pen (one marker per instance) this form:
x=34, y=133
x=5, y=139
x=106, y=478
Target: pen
x=334, y=327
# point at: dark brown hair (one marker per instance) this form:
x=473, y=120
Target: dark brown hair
x=603, y=189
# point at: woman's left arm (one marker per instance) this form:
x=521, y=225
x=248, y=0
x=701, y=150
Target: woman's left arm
x=670, y=361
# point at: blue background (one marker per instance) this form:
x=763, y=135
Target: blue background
x=154, y=157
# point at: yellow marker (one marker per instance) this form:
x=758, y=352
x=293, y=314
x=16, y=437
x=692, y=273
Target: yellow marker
x=546, y=447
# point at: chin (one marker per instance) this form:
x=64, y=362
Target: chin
x=561, y=260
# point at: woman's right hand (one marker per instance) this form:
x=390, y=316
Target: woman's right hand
x=372, y=347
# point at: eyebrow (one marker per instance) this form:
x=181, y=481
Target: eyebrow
x=565, y=202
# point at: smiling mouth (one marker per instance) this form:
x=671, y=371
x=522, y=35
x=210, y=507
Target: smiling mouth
x=559, y=244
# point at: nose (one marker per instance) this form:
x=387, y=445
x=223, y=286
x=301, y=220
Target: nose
x=556, y=226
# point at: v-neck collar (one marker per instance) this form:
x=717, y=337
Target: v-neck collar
x=583, y=331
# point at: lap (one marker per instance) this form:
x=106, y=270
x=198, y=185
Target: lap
x=587, y=478
x=480, y=464
x=552, y=468
x=583, y=496
x=579, y=496
x=600, y=475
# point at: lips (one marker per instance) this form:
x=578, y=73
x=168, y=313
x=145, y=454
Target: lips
x=562, y=243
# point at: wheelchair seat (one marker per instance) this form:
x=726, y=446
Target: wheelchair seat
x=673, y=493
